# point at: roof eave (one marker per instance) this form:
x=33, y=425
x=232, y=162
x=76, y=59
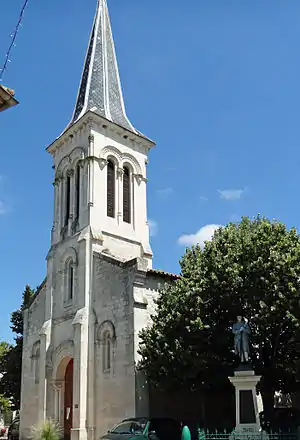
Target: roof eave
x=7, y=100
x=164, y=274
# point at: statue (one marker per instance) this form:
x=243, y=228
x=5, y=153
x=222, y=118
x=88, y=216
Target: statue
x=241, y=333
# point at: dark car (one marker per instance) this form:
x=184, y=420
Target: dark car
x=144, y=429
x=13, y=430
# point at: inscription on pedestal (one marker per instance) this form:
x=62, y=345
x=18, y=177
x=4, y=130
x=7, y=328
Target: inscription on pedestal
x=247, y=411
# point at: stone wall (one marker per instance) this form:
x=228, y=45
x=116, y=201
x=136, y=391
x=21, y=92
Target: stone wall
x=33, y=321
x=112, y=303
x=122, y=301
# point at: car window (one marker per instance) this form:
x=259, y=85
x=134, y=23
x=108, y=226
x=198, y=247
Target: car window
x=129, y=427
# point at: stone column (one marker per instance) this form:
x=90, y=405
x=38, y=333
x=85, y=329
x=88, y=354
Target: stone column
x=45, y=335
x=81, y=192
x=70, y=174
x=62, y=193
x=80, y=381
x=140, y=215
x=91, y=381
x=119, y=195
x=55, y=224
x=91, y=158
x=57, y=390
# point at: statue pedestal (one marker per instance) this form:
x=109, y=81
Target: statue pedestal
x=246, y=407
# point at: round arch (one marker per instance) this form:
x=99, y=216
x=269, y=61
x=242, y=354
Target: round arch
x=62, y=355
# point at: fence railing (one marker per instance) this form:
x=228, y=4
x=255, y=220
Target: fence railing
x=231, y=435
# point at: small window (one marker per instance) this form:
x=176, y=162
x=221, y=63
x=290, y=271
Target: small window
x=111, y=185
x=70, y=281
x=126, y=196
x=107, y=347
x=68, y=200
x=77, y=192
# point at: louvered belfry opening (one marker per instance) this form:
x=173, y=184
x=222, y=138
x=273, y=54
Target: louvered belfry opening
x=126, y=196
x=111, y=189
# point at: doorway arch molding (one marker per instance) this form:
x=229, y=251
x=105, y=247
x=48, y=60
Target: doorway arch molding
x=62, y=355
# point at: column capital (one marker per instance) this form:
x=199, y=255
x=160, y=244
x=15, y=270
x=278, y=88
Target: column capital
x=45, y=328
x=102, y=162
x=139, y=178
x=120, y=171
x=70, y=173
x=57, y=384
x=80, y=317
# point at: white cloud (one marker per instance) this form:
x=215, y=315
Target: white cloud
x=204, y=234
x=164, y=192
x=234, y=218
x=231, y=194
x=204, y=199
x=3, y=209
x=153, y=227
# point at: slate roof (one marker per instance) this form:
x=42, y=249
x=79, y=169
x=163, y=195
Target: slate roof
x=100, y=88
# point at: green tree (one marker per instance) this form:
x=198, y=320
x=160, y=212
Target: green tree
x=5, y=404
x=250, y=268
x=11, y=359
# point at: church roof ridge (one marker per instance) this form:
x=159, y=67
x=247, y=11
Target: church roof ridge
x=100, y=88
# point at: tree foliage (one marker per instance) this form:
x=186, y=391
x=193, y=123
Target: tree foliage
x=251, y=268
x=11, y=357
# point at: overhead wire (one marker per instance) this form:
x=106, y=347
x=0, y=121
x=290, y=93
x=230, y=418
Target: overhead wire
x=12, y=44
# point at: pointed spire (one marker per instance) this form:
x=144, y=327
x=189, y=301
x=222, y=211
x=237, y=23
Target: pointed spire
x=100, y=89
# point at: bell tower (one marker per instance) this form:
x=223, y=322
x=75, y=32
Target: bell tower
x=81, y=333
x=100, y=159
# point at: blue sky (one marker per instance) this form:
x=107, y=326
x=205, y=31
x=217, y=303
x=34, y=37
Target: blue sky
x=215, y=83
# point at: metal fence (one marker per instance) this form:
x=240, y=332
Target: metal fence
x=204, y=435
x=231, y=435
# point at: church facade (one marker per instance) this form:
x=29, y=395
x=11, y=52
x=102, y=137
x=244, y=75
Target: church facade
x=81, y=331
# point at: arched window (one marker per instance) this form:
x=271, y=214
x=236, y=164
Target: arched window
x=106, y=335
x=111, y=189
x=126, y=196
x=77, y=190
x=67, y=200
x=106, y=351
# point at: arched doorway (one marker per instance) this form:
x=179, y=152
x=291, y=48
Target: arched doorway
x=68, y=400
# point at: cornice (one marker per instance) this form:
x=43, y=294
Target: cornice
x=71, y=134
x=92, y=120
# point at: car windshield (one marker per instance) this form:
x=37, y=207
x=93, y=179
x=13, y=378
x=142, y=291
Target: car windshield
x=130, y=427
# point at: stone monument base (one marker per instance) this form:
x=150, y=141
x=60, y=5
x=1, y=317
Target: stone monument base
x=246, y=405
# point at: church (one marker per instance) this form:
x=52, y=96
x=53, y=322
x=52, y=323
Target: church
x=81, y=332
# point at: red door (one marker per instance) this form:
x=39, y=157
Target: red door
x=68, y=410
